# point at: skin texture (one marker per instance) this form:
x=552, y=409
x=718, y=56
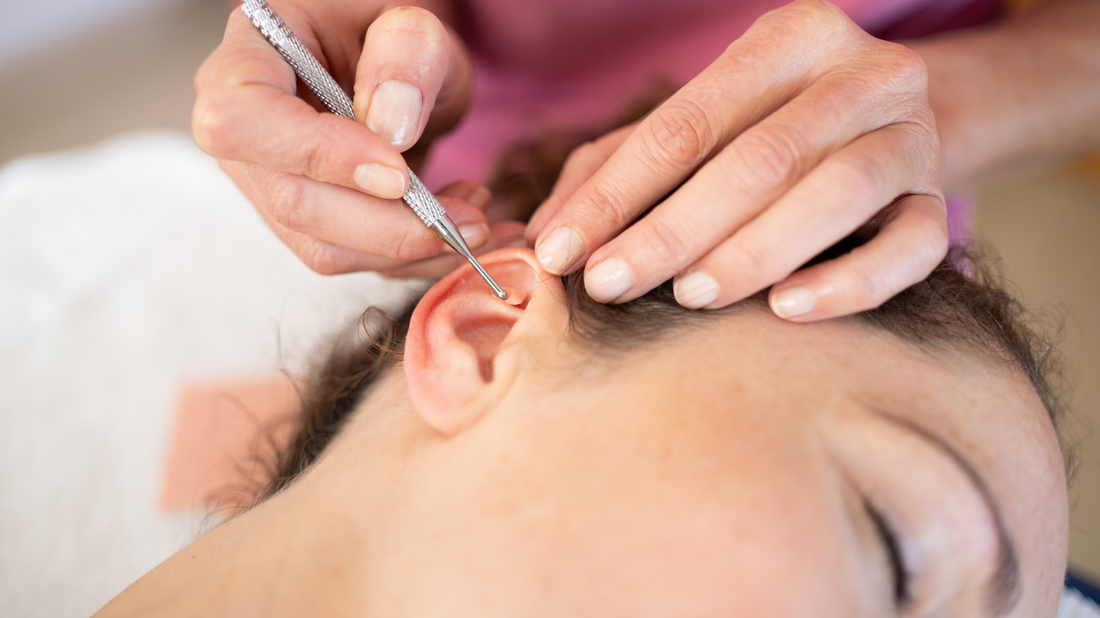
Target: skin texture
x=709, y=474
x=769, y=184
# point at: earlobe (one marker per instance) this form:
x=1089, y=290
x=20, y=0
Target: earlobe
x=458, y=331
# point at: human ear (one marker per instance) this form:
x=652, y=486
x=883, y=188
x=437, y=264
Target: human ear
x=460, y=331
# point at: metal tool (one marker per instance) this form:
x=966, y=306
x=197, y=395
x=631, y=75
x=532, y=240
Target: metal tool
x=336, y=101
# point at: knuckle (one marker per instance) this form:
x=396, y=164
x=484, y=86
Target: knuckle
x=819, y=18
x=833, y=22
x=918, y=139
x=604, y=207
x=408, y=244
x=665, y=243
x=679, y=134
x=319, y=257
x=906, y=65
x=772, y=156
x=868, y=288
x=867, y=177
x=318, y=153
x=753, y=264
x=288, y=203
x=900, y=80
x=211, y=124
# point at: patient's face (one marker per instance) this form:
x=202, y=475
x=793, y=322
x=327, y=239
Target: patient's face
x=745, y=467
x=750, y=467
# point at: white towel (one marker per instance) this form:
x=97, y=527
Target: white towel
x=127, y=268
x=1076, y=605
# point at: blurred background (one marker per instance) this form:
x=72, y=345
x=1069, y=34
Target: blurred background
x=74, y=73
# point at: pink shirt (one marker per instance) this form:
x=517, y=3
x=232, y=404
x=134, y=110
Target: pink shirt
x=578, y=62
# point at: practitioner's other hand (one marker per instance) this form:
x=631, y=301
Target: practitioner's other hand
x=326, y=185
x=805, y=130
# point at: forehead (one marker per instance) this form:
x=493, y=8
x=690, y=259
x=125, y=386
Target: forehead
x=755, y=351
x=979, y=404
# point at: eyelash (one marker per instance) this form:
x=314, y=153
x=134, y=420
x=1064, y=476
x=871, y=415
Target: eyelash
x=897, y=565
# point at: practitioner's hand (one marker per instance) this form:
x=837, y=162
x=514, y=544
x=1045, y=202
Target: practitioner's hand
x=327, y=185
x=804, y=130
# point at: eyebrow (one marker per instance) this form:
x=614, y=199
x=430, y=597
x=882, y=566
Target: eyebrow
x=1003, y=588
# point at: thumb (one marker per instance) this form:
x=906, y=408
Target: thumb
x=412, y=69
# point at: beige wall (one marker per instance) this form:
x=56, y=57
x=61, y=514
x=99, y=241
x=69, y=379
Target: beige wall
x=134, y=74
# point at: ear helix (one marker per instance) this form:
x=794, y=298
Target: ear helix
x=456, y=334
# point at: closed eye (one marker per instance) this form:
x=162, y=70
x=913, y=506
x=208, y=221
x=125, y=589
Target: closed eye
x=888, y=537
x=1003, y=589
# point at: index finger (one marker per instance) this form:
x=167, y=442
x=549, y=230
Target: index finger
x=247, y=111
x=752, y=78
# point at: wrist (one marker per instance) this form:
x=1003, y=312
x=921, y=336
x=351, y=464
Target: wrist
x=962, y=91
x=1017, y=94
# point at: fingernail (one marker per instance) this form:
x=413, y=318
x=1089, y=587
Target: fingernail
x=560, y=249
x=475, y=234
x=608, y=280
x=793, y=302
x=696, y=290
x=379, y=180
x=394, y=111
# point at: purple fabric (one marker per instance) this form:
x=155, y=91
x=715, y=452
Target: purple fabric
x=939, y=16
x=960, y=217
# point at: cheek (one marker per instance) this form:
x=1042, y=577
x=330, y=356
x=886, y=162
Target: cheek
x=769, y=554
x=805, y=530
x=670, y=517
